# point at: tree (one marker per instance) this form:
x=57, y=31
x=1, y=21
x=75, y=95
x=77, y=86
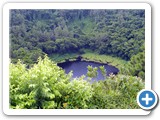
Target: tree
x=136, y=66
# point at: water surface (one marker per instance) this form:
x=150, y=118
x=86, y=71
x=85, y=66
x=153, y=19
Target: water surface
x=79, y=68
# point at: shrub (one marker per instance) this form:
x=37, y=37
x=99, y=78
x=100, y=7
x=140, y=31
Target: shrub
x=47, y=86
x=116, y=92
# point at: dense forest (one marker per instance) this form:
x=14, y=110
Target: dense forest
x=115, y=37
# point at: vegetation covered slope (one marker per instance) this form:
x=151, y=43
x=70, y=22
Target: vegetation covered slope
x=116, y=32
x=63, y=33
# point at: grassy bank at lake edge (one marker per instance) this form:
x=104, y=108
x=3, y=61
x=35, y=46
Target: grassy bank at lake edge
x=88, y=56
x=114, y=61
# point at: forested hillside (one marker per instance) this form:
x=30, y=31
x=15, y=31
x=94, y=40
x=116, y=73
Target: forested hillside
x=114, y=37
x=112, y=32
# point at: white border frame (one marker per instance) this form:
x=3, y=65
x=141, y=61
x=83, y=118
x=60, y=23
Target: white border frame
x=9, y=6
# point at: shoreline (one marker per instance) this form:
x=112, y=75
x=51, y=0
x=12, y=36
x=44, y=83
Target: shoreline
x=101, y=59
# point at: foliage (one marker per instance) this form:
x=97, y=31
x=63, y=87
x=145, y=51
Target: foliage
x=103, y=71
x=92, y=71
x=36, y=87
x=59, y=58
x=46, y=86
x=111, y=32
x=117, y=92
x=79, y=93
x=115, y=61
x=136, y=66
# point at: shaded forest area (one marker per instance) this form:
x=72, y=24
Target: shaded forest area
x=113, y=32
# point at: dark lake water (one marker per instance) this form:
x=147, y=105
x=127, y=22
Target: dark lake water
x=79, y=68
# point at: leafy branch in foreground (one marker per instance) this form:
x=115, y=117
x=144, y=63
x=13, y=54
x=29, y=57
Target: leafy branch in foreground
x=92, y=71
x=103, y=71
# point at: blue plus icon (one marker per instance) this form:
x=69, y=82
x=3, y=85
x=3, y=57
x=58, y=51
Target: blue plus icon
x=147, y=99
